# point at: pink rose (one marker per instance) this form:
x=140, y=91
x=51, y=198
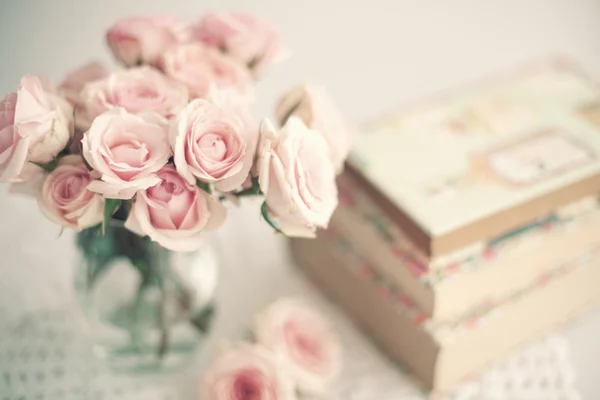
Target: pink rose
x=313, y=105
x=175, y=213
x=199, y=67
x=74, y=82
x=243, y=37
x=303, y=341
x=126, y=150
x=72, y=87
x=65, y=199
x=297, y=178
x=243, y=372
x=142, y=89
x=214, y=142
x=140, y=40
x=35, y=125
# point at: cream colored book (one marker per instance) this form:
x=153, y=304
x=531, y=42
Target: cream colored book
x=483, y=273
x=442, y=355
x=485, y=160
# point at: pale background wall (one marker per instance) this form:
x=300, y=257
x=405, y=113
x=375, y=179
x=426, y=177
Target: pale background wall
x=372, y=54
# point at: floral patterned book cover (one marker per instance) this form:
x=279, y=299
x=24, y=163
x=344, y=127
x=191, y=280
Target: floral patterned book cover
x=452, y=163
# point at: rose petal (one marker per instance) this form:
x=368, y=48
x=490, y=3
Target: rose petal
x=123, y=190
x=15, y=165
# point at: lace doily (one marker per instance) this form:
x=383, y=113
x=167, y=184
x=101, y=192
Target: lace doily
x=540, y=372
x=46, y=357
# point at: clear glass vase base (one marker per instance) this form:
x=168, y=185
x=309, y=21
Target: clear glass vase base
x=124, y=358
x=151, y=316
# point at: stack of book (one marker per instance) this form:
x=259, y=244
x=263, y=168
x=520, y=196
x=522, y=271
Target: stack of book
x=471, y=224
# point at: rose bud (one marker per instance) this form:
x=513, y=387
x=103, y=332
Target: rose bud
x=126, y=150
x=199, y=67
x=243, y=37
x=313, y=105
x=174, y=213
x=139, y=40
x=137, y=90
x=214, y=141
x=65, y=199
x=35, y=125
x=297, y=177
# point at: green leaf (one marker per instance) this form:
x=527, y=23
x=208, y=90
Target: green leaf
x=110, y=206
x=254, y=190
x=204, y=186
x=265, y=214
x=123, y=211
x=49, y=167
x=256, y=185
x=98, y=250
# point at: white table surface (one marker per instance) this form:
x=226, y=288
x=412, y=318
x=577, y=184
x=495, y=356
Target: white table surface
x=372, y=55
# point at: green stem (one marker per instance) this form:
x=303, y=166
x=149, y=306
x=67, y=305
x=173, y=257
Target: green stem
x=248, y=192
x=161, y=265
x=254, y=190
x=136, y=311
x=265, y=214
x=163, y=344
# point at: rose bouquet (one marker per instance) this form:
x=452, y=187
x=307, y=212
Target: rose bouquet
x=141, y=161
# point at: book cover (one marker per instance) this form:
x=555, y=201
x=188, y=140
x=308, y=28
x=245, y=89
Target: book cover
x=453, y=163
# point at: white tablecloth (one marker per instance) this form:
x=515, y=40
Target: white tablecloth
x=43, y=350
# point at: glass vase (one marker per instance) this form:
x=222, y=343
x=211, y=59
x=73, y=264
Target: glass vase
x=148, y=308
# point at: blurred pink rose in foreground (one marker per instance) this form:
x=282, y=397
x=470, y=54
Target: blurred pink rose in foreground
x=243, y=372
x=303, y=341
x=141, y=89
x=126, y=150
x=143, y=40
x=213, y=144
x=35, y=125
x=242, y=36
x=199, y=67
x=65, y=199
x=313, y=105
x=297, y=177
x=175, y=213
